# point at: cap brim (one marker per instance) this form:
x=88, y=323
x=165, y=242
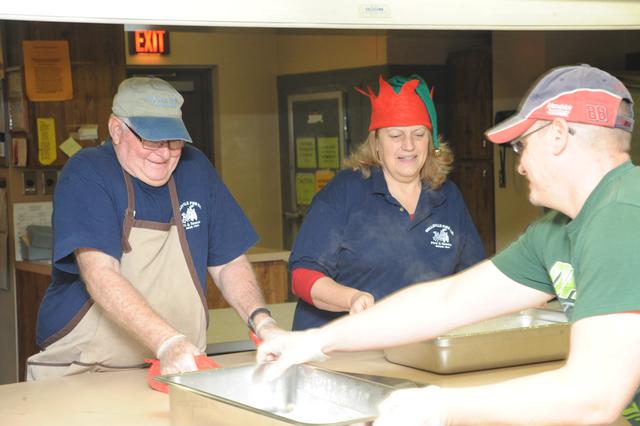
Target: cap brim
x=510, y=129
x=158, y=129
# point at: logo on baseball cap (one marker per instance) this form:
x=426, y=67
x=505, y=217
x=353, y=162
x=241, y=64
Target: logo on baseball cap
x=579, y=94
x=151, y=106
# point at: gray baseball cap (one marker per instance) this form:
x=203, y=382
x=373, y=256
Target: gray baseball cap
x=151, y=107
x=579, y=94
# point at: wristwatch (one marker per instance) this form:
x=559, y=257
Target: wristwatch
x=250, y=320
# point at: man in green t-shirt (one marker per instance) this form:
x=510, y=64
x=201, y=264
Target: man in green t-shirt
x=573, y=134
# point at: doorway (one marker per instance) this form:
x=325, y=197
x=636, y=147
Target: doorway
x=316, y=129
x=194, y=84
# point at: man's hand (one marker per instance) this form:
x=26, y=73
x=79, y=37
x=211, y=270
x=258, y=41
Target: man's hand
x=360, y=301
x=288, y=349
x=407, y=407
x=176, y=355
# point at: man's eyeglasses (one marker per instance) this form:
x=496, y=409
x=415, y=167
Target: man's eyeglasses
x=519, y=144
x=151, y=145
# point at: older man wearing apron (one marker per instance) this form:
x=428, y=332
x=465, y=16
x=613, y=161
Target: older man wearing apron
x=138, y=222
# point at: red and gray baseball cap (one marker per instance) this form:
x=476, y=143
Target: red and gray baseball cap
x=579, y=94
x=152, y=107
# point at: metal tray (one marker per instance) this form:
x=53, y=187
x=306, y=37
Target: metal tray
x=530, y=336
x=305, y=395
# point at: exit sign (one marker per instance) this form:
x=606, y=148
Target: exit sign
x=149, y=41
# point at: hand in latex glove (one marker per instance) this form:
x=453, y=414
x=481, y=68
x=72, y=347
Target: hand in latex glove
x=288, y=349
x=360, y=301
x=177, y=356
x=407, y=407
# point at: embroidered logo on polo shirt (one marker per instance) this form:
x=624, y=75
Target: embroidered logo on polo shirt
x=189, y=212
x=564, y=282
x=440, y=235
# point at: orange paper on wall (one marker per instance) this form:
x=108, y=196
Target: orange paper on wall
x=323, y=177
x=47, y=70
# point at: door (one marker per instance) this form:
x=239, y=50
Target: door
x=316, y=148
x=194, y=84
x=469, y=114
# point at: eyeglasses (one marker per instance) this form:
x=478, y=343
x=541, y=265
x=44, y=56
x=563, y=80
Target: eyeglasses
x=518, y=145
x=152, y=145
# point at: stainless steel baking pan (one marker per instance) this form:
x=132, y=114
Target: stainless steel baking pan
x=530, y=336
x=305, y=395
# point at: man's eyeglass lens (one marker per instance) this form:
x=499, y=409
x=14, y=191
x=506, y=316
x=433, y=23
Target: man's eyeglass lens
x=173, y=145
x=518, y=145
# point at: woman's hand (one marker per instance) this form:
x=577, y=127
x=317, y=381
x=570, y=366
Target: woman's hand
x=360, y=301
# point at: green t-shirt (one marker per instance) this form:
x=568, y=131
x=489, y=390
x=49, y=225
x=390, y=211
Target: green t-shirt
x=591, y=263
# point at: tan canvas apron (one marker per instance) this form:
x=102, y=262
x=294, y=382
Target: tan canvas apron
x=158, y=263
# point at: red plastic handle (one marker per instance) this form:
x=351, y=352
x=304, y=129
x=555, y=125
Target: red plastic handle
x=256, y=340
x=202, y=361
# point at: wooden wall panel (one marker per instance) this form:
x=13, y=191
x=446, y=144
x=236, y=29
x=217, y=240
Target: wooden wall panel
x=29, y=293
x=469, y=114
x=272, y=277
x=97, y=65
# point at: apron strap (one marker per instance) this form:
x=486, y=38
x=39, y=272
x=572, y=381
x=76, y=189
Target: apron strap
x=129, y=213
x=177, y=221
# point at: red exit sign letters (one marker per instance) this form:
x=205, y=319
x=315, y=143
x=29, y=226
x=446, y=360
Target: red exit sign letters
x=149, y=41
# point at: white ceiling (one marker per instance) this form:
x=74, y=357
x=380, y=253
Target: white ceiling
x=390, y=14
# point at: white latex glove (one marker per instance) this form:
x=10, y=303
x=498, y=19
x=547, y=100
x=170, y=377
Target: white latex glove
x=270, y=331
x=360, y=301
x=288, y=349
x=177, y=356
x=409, y=407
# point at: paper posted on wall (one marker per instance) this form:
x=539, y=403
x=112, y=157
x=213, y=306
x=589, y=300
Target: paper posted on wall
x=26, y=214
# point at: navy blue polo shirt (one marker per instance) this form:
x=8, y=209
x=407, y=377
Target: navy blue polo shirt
x=358, y=234
x=88, y=211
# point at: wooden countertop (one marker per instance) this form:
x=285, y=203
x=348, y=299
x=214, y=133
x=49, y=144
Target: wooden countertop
x=262, y=254
x=254, y=254
x=123, y=398
x=36, y=266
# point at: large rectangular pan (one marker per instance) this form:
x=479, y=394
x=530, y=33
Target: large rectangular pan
x=530, y=336
x=305, y=395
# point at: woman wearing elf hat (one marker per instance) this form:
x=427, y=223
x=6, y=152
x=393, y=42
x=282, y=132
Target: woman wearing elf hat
x=391, y=219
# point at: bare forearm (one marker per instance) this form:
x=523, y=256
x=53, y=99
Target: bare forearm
x=599, y=378
x=331, y=296
x=550, y=398
x=237, y=282
x=427, y=310
x=122, y=303
x=395, y=320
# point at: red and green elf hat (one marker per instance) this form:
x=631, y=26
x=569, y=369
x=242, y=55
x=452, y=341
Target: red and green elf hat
x=402, y=101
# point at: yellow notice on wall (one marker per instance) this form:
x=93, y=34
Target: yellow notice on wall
x=305, y=188
x=328, y=153
x=306, y=153
x=47, y=152
x=323, y=177
x=47, y=70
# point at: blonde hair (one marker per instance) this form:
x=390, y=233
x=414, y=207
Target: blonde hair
x=434, y=171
